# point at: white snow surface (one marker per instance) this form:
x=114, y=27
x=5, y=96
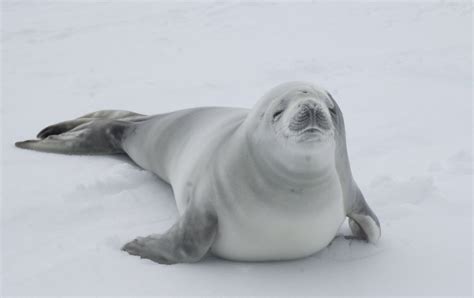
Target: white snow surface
x=401, y=72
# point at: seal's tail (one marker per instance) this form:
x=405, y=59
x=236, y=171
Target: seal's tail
x=96, y=133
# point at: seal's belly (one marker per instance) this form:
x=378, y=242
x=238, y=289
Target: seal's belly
x=276, y=235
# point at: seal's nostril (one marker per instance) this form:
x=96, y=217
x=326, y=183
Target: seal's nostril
x=308, y=102
x=308, y=107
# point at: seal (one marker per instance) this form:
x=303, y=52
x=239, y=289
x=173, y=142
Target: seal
x=270, y=183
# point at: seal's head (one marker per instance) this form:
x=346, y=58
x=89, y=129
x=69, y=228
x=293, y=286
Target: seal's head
x=297, y=114
x=296, y=121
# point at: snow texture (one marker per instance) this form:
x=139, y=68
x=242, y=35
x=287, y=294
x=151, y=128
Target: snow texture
x=401, y=73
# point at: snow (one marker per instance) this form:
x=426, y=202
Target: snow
x=401, y=73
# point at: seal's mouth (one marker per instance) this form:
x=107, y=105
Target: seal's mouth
x=311, y=130
x=310, y=134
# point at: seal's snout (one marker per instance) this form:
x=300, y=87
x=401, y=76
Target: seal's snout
x=309, y=104
x=309, y=117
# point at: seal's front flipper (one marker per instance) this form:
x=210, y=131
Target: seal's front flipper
x=364, y=227
x=363, y=221
x=91, y=137
x=187, y=241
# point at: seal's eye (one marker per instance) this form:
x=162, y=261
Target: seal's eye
x=277, y=115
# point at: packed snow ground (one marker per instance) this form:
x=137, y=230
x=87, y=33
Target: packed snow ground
x=400, y=72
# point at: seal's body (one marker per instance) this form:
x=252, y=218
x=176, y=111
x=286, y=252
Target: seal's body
x=258, y=219
x=271, y=183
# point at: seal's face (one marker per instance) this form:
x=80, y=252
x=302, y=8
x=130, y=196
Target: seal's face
x=292, y=130
x=294, y=125
x=302, y=116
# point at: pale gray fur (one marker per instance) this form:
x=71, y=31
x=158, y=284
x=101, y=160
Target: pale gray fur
x=157, y=143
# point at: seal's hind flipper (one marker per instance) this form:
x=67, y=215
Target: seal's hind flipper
x=65, y=126
x=46, y=145
x=61, y=127
x=99, y=132
x=91, y=137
